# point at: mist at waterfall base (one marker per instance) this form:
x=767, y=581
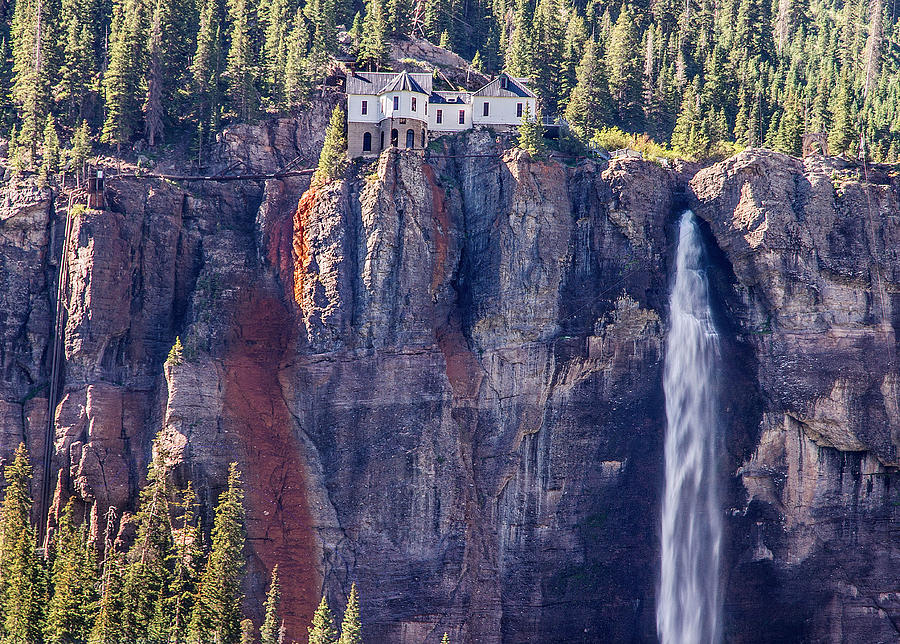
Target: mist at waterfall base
x=688, y=603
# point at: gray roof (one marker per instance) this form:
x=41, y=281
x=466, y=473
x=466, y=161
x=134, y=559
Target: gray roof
x=515, y=87
x=450, y=97
x=378, y=82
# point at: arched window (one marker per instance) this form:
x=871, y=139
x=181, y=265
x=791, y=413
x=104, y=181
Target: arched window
x=410, y=139
x=395, y=136
x=423, y=138
x=382, y=140
x=367, y=142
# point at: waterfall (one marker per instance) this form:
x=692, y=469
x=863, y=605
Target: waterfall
x=688, y=604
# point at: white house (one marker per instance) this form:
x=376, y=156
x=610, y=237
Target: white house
x=400, y=109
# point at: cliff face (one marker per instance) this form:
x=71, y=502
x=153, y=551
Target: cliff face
x=814, y=250
x=442, y=380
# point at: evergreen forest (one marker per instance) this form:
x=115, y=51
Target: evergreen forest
x=704, y=76
x=174, y=582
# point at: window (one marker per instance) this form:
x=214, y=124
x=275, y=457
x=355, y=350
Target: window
x=462, y=117
x=382, y=141
x=519, y=110
x=423, y=138
x=367, y=142
x=394, y=136
x=365, y=107
x=486, y=108
x=413, y=104
x=396, y=102
x=440, y=116
x=504, y=82
x=410, y=139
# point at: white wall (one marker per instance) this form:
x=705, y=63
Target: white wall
x=404, y=110
x=502, y=110
x=354, y=109
x=451, y=117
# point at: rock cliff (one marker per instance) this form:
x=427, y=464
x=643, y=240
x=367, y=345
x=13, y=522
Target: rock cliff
x=441, y=378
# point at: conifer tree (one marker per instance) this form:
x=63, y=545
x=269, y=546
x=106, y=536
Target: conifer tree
x=122, y=78
x=373, y=49
x=586, y=109
x=153, y=106
x=188, y=566
x=247, y=631
x=275, y=20
x=519, y=57
x=205, y=70
x=445, y=639
x=351, y=626
x=216, y=618
x=73, y=604
x=107, y=628
x=531, y=133
x=148, y=572
x=322, y=629
x=241, y=89
x=296, y=79
x=269, y=631
x=81, y=148
x=623, y=62
x=399, y=16
x=333, y=157
x=50, y=164
x=75, y=82
x=22, y=579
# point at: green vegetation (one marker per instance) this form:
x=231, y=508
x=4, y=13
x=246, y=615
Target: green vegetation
x=700, y=76
x=333, y=158
x=166, y=586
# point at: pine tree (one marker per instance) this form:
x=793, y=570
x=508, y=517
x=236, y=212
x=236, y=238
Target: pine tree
x=107, y=628
x=75, y=83
x=322, y=629
x=351, y=626
x=148, y=572
x=73, y=605
x=373, y=49
x=531, y=133
x=122, y=79
x=269, y=631
x=689, y=138
x=548, y=61
x=188, y=563
x=445, y=639
x=296, y=80
x=519, y=56
x=22, y=578
x=33, y=34
x=247, y=631
x=50, y=163
x=153, y=106
x=275, y=20
x=623, y=62
x=333, y=157
x=241, y=89
x=205, y=71
x=399, y=17
x=81, y=148
x=586, y=109
x=216, y=618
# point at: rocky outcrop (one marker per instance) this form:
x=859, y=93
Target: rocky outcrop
x=441, y=378
x=816, y=276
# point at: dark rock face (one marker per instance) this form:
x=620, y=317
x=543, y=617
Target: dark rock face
x=442, y=380
x=814, y=252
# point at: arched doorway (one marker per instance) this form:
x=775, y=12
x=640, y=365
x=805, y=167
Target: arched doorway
x=410, y=139
x=395, y=136
x=367, y=142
